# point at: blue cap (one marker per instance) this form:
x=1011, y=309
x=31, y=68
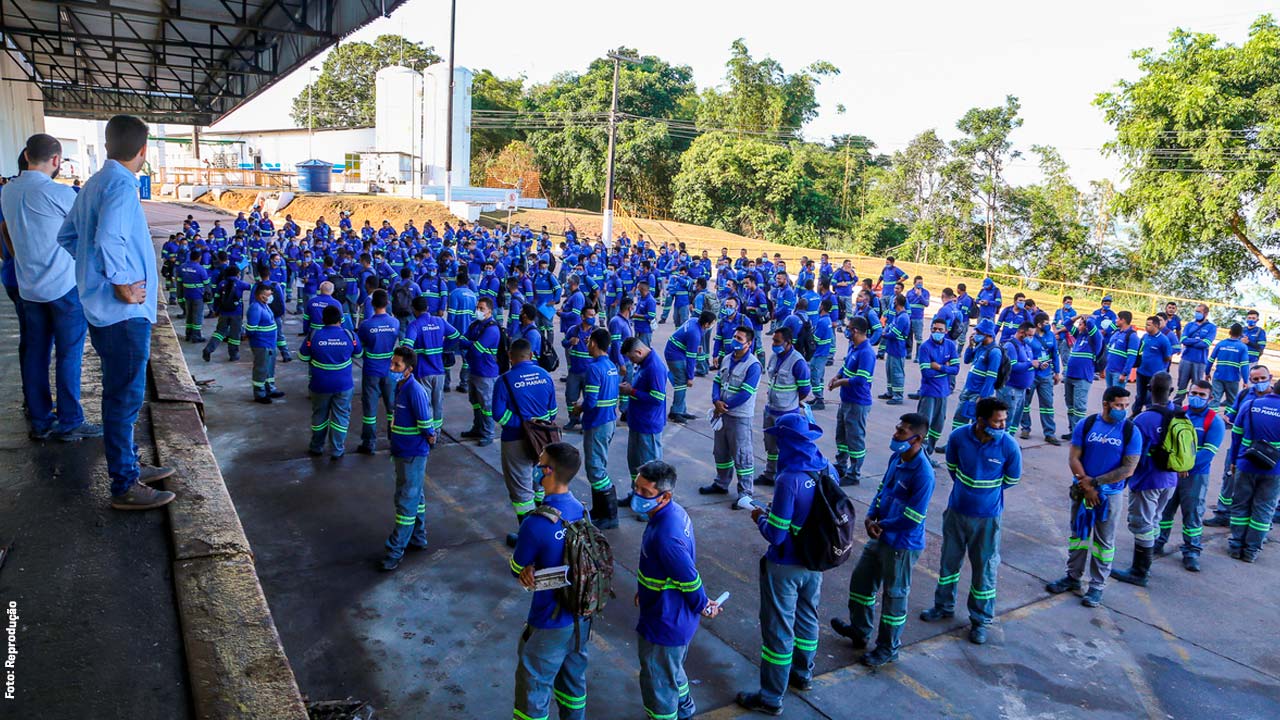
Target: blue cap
x=985, y=327
x=796, y=426
x=1106, y=298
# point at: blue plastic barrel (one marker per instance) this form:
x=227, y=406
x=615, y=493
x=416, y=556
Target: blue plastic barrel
x=313, y=176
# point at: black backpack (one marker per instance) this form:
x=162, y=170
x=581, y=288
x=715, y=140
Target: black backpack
x=1002, y=372
x=402, y=300
x=227, y=297
x=339, y=286
x=504, y=348
x=826, y=539
x=805, y=343
x=548, y=359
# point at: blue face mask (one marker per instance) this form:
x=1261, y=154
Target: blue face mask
x=735, y=346
x=1261, y=386
x=1251, y=322
x=1114, y=415
x=899, y=446
x=643, y=505
x=937, y=337
x=1197, y=403
x=1199, y=316
x=997, y=433
x=1021, y=304
x=544, y=472
x=777, y=348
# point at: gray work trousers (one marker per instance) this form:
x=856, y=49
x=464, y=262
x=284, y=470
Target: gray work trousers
x=979, y=539
x=734, y=455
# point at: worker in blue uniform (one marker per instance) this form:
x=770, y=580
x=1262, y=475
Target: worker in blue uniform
x=552, y=654
x=228, y=297
x=1194, y=484
x=329, y=352
x=939, y=364
x=379, y=336
x=481, y=341
x=1048, y=373
x=598, y=410
x=412, y=435
x=647, y=416
x=260, y=326
x=789, y=590
x=523, y=394
x=895, y=526
x=669, y=593
x=854, y=383
x=984, y=461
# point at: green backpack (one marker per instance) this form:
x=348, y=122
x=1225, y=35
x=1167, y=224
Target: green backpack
x=1176, y=450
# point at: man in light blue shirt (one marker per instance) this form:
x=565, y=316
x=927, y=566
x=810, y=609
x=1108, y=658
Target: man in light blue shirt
x=117, y=278
x=35, y=207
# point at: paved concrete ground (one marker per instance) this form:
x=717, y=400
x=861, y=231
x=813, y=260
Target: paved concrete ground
x=98, y=633
x=438, y=637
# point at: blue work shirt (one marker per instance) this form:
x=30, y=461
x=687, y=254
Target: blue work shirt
x=669, y=587
x=525, y=392
x=378, y=337
x=107, y=233
x=1154, y=353
x=980, y=472
x=540, y=543
x=329, y=351
x=647, y=411
x=1102, y=450
x=600, y=393
x=901, y=503
x=411, y=421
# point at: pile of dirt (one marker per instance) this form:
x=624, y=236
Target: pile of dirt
x=307, y=208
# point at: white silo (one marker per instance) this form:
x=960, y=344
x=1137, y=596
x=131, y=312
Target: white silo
x=436, y=98
x=398, y=110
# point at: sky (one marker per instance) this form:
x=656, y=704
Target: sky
x=905, y=66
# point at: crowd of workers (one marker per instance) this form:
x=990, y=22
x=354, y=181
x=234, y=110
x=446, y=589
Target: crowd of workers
x=403, y=309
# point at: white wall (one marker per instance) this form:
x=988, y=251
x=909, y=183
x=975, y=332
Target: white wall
x=285, y=148
x=21, y=113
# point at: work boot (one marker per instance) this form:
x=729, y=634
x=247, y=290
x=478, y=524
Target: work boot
x=604, y=509
x=753, y=701
x=389, y=564
x=913, y=396
x=765, y=479
x=1191, y=563
x=978, y=634
x=1065, y=436
x=262, y=400
x=935, y=614
x=880, y=656
x=471, y=434
x=796, y=682
x=273, y=393
x=885, y=396
x=1025, y=435
x=141, y=497
x=1235, y=552
x=1140, y=572
x=818, y=405
x=1160, y=549
x=712, y=489
x=1218, y=521
x=1052, y=440
x=366, y=450
x=1061, y=585
x=677, y=419
x=1093, y=598
x=512, y=538
x=846, y=630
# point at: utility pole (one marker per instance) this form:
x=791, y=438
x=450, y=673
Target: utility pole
x=448, y=125
x=606, y=230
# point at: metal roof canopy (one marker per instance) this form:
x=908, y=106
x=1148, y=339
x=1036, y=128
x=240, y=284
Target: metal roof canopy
x=189, y=62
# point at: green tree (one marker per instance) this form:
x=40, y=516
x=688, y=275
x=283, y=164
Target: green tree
x=761, y=98
x=495, y=104
x=758, y=188
x=570, y=141
x=1198, y=133
x=343, y=91
x=986, y=146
